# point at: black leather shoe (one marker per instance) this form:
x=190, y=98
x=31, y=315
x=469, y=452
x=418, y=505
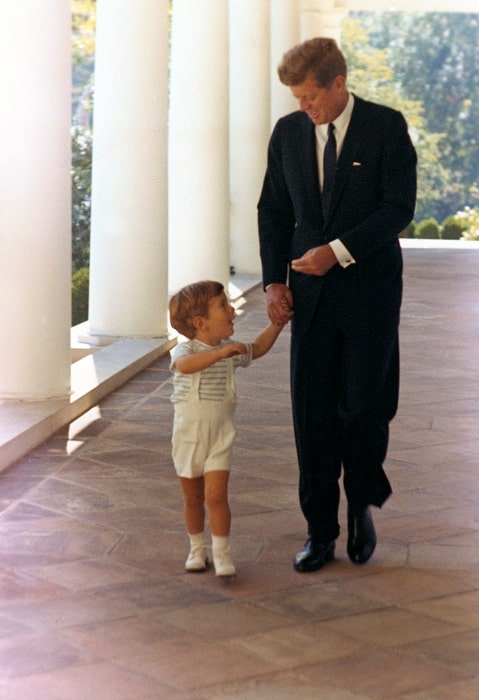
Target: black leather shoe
x=361, y=535
x=314, y=556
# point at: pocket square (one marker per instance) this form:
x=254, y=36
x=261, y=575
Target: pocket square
x=356, y=164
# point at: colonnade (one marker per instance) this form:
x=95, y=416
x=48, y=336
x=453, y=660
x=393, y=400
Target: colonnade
x=179, y=153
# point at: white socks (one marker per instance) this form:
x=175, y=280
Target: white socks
x=197, y=560
x=222, y=556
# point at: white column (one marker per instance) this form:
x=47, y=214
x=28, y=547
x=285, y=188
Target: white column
x=321, y=18
x=285, y=33
x=198, y=143
x=249, y=126
x=35, y=203
x=128, y=265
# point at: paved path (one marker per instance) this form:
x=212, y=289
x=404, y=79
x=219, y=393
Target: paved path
x=95, y=603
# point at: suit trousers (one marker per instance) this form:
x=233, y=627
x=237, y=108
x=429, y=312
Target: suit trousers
x=344, y=387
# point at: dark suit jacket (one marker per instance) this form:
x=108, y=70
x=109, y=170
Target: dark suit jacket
x=372, y=202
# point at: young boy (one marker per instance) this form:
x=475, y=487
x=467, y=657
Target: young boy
x=204, y=400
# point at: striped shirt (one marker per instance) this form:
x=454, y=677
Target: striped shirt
x=213, y=381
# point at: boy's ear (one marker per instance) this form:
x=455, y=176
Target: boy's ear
x=199, y=322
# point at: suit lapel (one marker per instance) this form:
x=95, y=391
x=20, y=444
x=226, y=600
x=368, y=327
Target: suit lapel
x=310, y=164
x=354, y=136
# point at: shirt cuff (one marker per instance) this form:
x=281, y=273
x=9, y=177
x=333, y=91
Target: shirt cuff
x=342, y=253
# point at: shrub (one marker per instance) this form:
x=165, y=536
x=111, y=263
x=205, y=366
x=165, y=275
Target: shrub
x=451, y=229
x=469, y=218
x=429, y=228
x=409, y=231
x=80, y=286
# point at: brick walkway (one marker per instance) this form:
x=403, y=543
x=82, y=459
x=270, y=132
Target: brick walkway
x=95, y=603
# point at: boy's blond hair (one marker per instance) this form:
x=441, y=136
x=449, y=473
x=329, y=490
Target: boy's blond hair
x=190, y=301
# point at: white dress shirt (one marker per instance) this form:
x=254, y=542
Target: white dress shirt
x=341, y=124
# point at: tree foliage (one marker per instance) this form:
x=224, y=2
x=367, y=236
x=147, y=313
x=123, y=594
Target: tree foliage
x=81, y=196
x=83, y=50
x=434, y=61
x=80, y=285
x=469, y=220
x=83, y=61
x=83, y=56
x=371, y=76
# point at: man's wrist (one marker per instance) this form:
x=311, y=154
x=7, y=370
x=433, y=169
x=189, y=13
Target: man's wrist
x=341, y=253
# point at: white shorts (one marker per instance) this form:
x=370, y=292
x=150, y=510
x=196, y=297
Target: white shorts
x=203, y=435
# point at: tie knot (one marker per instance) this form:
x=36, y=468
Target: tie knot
x=330, y=129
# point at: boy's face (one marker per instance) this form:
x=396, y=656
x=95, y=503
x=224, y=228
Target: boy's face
x=219, y=322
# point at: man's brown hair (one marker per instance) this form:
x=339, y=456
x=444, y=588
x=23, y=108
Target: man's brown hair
x=319, y=57
x=192, y=300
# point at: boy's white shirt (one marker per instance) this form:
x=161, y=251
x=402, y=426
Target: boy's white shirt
x=213, y=383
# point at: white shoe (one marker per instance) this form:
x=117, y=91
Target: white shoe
x=223, y=563
x=197, y=559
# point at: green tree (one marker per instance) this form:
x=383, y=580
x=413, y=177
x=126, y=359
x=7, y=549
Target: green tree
x=81, y=196
x=435, y=59
x=83, y=60
x=372, y=77
x=83, y=57
x=80, y=286
x=469, y=219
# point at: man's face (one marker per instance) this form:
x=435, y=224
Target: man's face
x=322, y=105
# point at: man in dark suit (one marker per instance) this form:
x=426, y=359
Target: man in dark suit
x=330, y=212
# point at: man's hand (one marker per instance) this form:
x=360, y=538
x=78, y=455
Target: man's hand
x=316, y=261
x=280, y=304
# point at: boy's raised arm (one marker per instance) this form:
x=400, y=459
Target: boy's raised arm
x=188, y=364
x=266, y=340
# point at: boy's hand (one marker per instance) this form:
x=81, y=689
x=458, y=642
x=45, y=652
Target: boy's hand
x=234, y=349
x=279, y=301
